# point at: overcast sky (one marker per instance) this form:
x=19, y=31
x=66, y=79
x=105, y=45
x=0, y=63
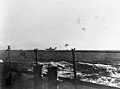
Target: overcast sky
x=83, y=24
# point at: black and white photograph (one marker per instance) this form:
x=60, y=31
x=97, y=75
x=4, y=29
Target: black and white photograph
x=59, y=44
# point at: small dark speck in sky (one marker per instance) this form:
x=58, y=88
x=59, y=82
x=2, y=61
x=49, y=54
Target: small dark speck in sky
x=83, y=29
x=78, y=20
x=96, y=17
x=66, y=45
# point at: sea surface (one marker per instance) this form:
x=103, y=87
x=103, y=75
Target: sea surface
x=95, y=73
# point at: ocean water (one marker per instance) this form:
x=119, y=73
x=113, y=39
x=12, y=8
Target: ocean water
x=95, y=73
